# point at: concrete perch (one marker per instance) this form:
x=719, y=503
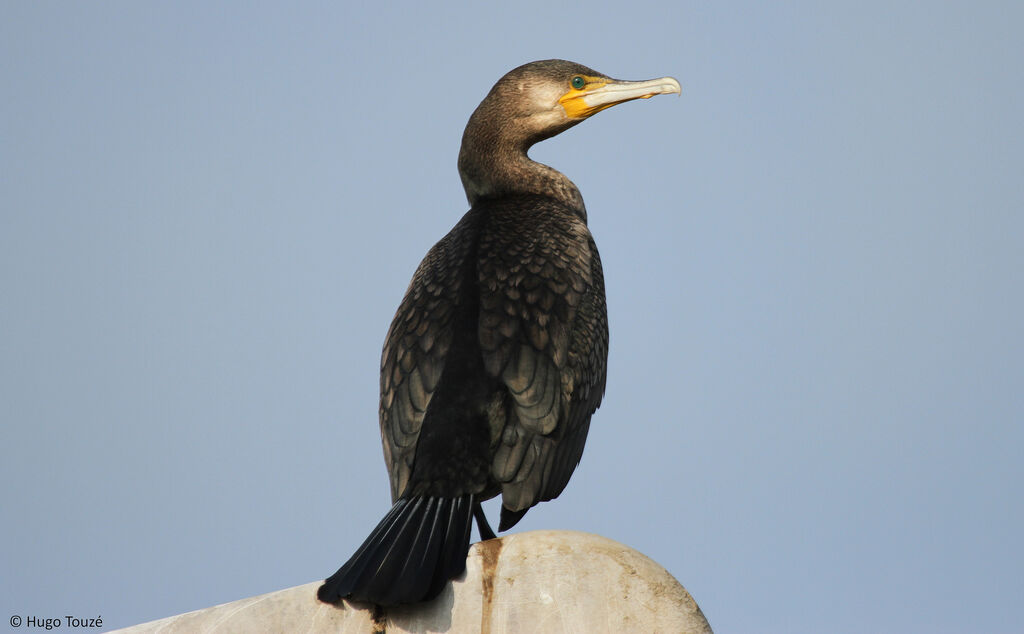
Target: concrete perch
x=540, y=581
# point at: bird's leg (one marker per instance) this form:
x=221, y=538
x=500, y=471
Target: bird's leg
x=481, y=523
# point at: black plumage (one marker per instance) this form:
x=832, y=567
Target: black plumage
x=496, y=358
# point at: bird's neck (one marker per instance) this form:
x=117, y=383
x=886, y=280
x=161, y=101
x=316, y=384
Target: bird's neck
x=491, y=168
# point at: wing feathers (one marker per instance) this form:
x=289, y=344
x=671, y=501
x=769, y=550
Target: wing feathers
x=543, y=332
x=417, y=345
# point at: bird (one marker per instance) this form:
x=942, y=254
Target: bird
x=497, y=355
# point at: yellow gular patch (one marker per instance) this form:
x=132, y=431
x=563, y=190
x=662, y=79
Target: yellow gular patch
x=574, y=104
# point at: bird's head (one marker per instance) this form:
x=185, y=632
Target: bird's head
x=532, y=103
x=540, y=99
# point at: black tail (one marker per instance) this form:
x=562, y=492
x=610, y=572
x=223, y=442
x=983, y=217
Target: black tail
x=416, y=549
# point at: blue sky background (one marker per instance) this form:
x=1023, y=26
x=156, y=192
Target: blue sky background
x=814, y=261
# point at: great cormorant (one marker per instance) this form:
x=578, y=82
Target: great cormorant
x=496, y=358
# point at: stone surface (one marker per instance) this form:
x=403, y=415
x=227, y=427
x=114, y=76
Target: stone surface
x=541, y=581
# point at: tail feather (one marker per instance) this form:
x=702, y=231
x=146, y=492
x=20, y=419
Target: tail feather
x=413, y=552
x=454, y=549
x=348, y=576
x=421, y=556
x=384, y=563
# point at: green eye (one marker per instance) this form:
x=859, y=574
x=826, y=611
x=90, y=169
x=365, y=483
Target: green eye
x=578, y=82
